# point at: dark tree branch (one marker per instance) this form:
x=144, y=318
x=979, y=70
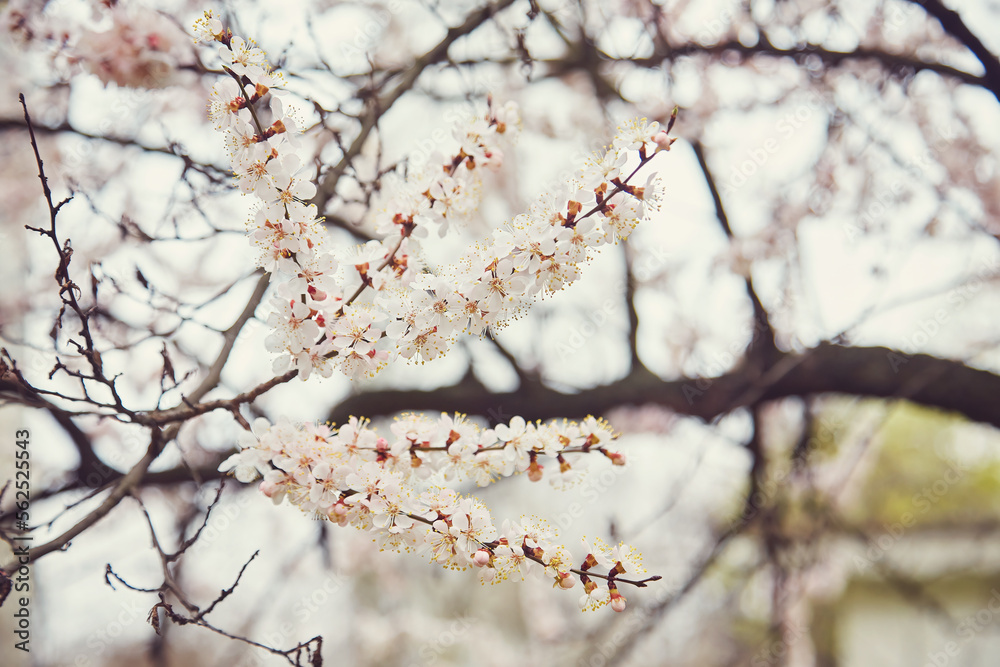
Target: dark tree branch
x=182, y=413
x=381, y=104
x=216, y=173
x=859, y=371
x=633, y=314
x=891, y=61
x=124, y=487
x=761, y=348
x=953, y=24
x=229, y=336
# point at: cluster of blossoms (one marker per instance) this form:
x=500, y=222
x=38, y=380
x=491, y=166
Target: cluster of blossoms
x=353, y=310
x=392, y=488
x=126, y=43
x=359, y=309
x=141, y=49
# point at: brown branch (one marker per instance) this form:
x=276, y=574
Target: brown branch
x=800, y=54
x=650, y=616
x=171, y=149
x=761, y=348
x=953, y=24
x=124, y=487
x=328, y=184
x=185, y=412
x=229, y=336
x=633, y=314
x=67, y=288
x=860, y=371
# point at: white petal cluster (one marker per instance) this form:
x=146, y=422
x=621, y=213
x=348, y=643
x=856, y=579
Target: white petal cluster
x=141, y=48
x=359, y=308
x=352, y=476
x=379, y=306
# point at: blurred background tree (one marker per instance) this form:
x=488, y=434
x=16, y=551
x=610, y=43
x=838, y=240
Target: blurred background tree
x=802, y=350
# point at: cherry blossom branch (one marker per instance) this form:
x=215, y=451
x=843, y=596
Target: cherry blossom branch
x=354, y=477
x=192, y=409
x=328, y=186
x=317, y=323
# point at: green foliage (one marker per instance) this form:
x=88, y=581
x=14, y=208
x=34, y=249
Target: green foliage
x=928, y=467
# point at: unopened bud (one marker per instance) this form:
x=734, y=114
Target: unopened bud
x=481, y=558
x=317, y=295
x=663, y=141
x=617, y=458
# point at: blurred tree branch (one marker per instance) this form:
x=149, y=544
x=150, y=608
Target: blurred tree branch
x=860, y=371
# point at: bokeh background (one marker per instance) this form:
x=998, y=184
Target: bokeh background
x=801, y=349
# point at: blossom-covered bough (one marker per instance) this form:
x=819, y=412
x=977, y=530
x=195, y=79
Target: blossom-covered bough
x=359, y=309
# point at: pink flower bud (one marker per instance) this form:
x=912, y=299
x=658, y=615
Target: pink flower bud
x=566, y=580
x=481, y=558
x=317, y=295
x=617, y=600
x=663, y=141
x=494, y=159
